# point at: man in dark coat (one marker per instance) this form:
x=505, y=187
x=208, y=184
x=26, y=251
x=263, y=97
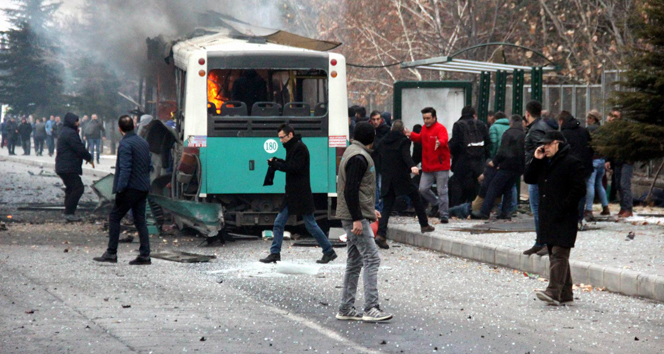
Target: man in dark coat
x=299, y=200
x=509, y=162
x=536, y=128
x=25, y=131
x=40, y=136
x=559, y=176
x=131, y=185
x=70, y=155
x=394, y=151
x=470, y=147
x=382, y=129
x=12, y=135
x=578, y=138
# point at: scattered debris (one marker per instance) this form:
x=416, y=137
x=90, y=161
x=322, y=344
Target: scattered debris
x=126, y=306
x=630, y=236
x=383, y=342
x=30, y=312
x=3, y=226
x=203, y=339
x=66, y=250
x=182, y=257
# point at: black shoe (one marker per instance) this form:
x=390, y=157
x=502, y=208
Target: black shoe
x=72, y=218
x=382, y=242
x=478, y=216
x=444, y=220
x=327, y=258
x=533, y=250
x=140, y=260
x=427, y=228
x=128, y=239
x=434, y=211
x=272, y=258
x=106, y=257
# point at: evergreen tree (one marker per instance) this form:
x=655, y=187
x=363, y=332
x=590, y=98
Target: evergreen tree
x=30, y=81
x=639, y=135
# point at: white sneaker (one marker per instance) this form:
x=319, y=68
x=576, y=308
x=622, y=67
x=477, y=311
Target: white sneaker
x=350, y=315
x=375, y=314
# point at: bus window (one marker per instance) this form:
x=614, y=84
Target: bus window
x=267, y=92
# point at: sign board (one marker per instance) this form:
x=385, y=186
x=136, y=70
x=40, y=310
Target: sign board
x=336, y=141
x=197, y=141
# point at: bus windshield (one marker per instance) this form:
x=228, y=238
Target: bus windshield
x=267, y=92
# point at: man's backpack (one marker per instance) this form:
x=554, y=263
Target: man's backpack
x=473, y=139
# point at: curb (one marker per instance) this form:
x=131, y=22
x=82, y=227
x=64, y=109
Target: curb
x=626, y=282
x=51, y=165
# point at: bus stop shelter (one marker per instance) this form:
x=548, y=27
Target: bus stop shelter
x=485, y=69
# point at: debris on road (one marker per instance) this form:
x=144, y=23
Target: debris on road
x=630, y=236
x=126, y=306
x=182, y=257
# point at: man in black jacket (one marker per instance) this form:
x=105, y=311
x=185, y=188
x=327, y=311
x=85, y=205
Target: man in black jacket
x=536, y=128
x=382, y=129
x=299, y=200
x=25, y=131
x=70, y=155
x=470, y=147
x=12, y=135
x=94, y=135
x=131, y=185
x=578, y=138
x=394, y=153
x=559, y=176
x=509, y=162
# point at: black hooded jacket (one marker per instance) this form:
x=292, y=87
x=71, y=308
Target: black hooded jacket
x=511, y=155
x=299, y=198
x=578, y=139
x=394, y=154
x=70, y=150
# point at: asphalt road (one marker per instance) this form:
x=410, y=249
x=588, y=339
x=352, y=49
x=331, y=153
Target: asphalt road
x=55, y=299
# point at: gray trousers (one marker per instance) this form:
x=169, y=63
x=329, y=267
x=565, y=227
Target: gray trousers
x=442, y=200
x=362, y=252
x=624, y=175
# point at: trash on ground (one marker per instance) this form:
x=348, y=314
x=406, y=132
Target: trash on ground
x=182, y=257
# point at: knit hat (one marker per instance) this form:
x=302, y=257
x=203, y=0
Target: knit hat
x=365, y=133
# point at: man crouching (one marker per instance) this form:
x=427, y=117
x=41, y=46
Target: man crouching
x=560, y=178
x=356, y=188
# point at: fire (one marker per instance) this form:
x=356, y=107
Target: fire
x=214, y=90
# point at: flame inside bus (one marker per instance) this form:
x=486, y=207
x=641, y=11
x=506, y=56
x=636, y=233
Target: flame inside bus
x=214, y=90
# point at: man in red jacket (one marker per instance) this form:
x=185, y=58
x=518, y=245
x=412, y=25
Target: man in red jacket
x=435, y=162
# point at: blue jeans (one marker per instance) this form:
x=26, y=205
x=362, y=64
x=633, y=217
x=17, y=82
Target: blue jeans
x=379, y=201
x=501, y=184
x=50, y=143
x=513, y=202
x=595, y=185
x=533, y=193
x=92, y=143
x=309, y=223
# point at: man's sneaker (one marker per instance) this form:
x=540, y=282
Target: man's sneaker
x=107, y=257
x=605, y=211
x=543, y=252
x=588, y=215
x=444, y=219
x=434, y=211
x=375, y=314
x=381, y=242
x=567, y=301
x=625, y=214
x=533, y=250
x=327, y=258
x=141, y=261
x=350, y=315
x=272, y=258
x=542, y=295
x=427, y=228
x=72, y=218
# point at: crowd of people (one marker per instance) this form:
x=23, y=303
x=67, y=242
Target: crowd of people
x=43, y=133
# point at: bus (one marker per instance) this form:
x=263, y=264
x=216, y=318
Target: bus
x=230, y=97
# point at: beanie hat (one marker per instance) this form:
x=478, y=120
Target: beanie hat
x=365, y=133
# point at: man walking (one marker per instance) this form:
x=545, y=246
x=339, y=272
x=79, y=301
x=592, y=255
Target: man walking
x=382, y=129
x=470, y=148
x=299, y=200
x=70, y=155
x=131, y=186
x=509, y=162
x=536, y=128
x=394, y=153
x=95, y=135
x=25, y=131
x=435, y=162
x=356, y=188
x=559, y=176
x=40, y=136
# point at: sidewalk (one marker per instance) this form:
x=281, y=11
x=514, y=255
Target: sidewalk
x=105, y=167
x=603, y=257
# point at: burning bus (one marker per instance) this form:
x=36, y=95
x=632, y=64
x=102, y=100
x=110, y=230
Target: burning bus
x=227, y=91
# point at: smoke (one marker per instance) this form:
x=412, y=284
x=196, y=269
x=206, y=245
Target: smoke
x=113, y=32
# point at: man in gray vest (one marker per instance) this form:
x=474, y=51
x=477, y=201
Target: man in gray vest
x=356, y=190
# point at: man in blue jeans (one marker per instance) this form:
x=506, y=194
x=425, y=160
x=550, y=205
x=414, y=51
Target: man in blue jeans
x=94, y=134
x=299, y=200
